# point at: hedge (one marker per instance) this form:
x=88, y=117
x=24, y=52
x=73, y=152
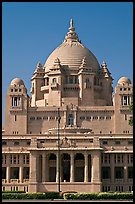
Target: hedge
x=13, y=192
x=69, y=196
x=22, y=196
x=98, y=196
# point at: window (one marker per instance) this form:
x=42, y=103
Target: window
x=28, y=142
x=128, y=89
x=117, y=142
x=106, y=173
x=101, y=117
x=120, y=89
x=16, y=143
x=11, y=159
x=15, y=117
x=26, y=173
x=130, y=172
x=32, y=118
x=108, y=117
x=19, y=90
x=125, y=100
x=125, y=117
x=104, y=142
x=24, y=159
x=125, y=89
x=95, y=117
x=15, y=101
x=91, y=140
x=46, y=81
x=14, y=174
x=27, y=159
x=45, y=118
x=71, y=80
x=39, y=118
x=130, y=142
x=70, y=119
x=14, y=159
x=82, y=117
x=18, y=159
x=52, y=117
x=4, y=188
x=11, y=90
x=119, y=172
x=54, y=81
x=4, y=143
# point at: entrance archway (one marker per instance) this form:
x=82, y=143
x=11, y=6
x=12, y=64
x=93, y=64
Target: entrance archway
x=65, y=164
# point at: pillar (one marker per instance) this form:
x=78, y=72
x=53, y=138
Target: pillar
x=43, y=167
x=112, y=166
x=8, y=169
x=125, y=168
x=71, y=167
x=21, y=174
x=96, y=166
x=8, y=174
x=33, y=184
x=57, y=168
x=21, y=168
x=86, y=168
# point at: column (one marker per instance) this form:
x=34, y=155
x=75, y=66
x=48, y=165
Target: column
x=8, y=174
x=125, y=168
x=34, y=171
x=75, y=118
x=96, y=166
x=44, y=167
x=57, y=168
x=21, y=174
x=112, y=166
x=71, y=167
x=33, y=166
x=86, y=168
x=8, y=169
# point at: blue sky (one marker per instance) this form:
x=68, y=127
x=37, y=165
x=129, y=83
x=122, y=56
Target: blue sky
x=31, y=31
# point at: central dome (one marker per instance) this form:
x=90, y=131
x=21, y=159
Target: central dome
x=71, y=53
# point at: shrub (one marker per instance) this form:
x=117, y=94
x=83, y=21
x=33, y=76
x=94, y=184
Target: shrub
x=47, y=195
x=13, y=192
x=99, y=196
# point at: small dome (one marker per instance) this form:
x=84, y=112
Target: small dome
x=17, y=81
x=124, y=80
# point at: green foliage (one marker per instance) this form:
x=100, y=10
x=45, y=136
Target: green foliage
x=13, y=192
x=22, y=196
x=69, y=196
x=98, y=196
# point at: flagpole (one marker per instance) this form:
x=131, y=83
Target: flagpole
x=59, y=149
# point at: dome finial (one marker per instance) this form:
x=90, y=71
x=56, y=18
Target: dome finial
x=71, y=22
x=71, y=25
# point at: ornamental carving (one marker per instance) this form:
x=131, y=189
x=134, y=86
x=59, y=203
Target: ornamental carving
x=65, y=142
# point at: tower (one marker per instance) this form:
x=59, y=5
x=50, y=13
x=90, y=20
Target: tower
x=17, y=102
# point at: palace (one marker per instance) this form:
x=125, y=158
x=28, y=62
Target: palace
x=73, y=131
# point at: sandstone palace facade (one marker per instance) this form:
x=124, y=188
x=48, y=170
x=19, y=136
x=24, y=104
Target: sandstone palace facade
x=96, y=140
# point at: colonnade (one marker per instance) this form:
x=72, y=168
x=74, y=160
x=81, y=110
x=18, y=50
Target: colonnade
x=95, y=166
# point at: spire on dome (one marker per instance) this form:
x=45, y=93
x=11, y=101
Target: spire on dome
x=71, y=35
x=71, y=28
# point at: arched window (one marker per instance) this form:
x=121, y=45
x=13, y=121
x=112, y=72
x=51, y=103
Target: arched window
x=46, y=81
x=54, y=80
x=70, y=119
